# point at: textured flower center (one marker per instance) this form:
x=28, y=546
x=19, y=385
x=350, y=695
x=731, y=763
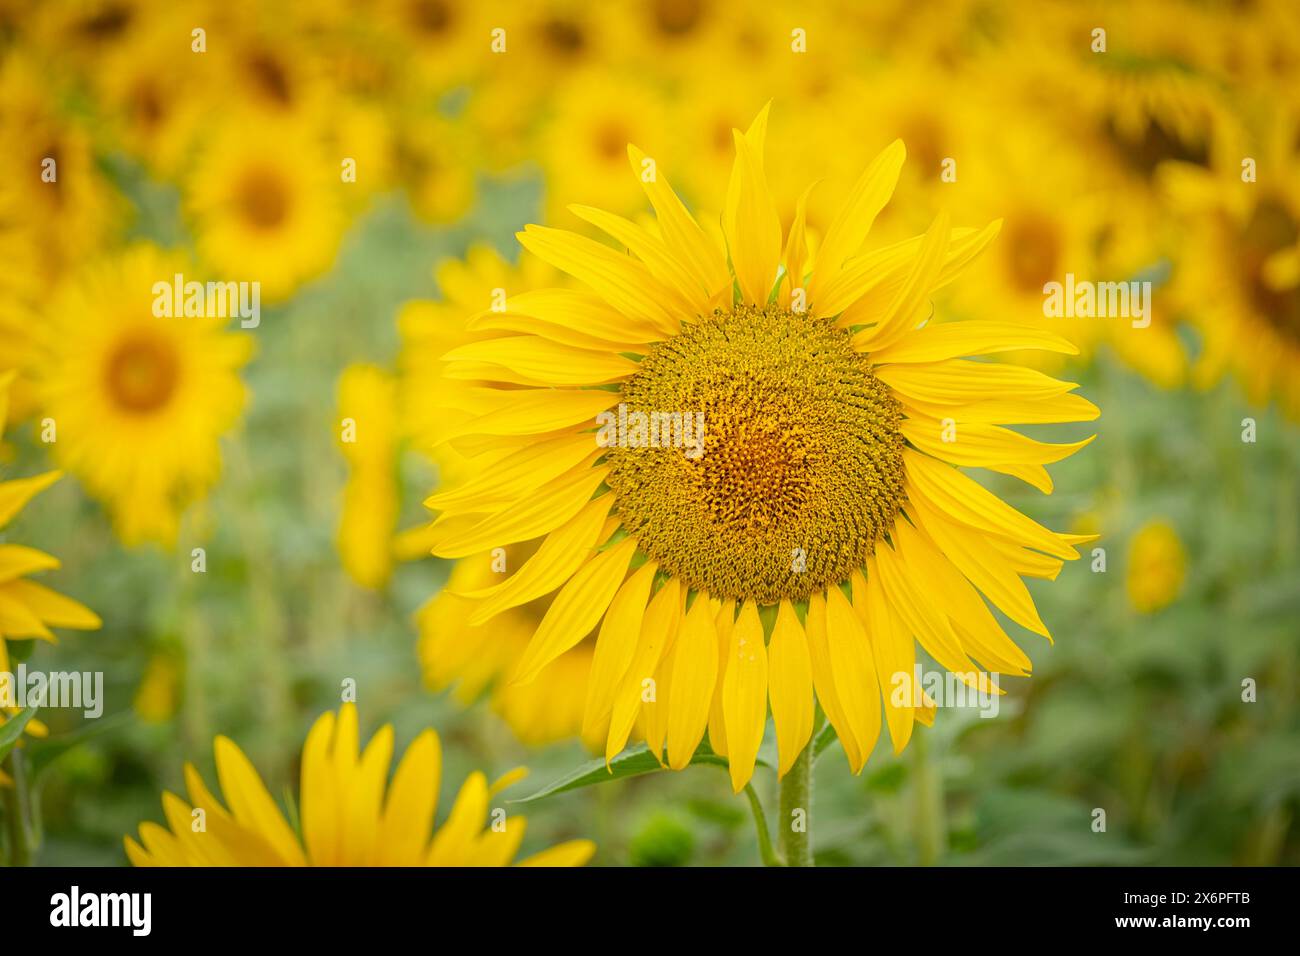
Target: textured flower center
x=801, y=469
x=1270, y=229
x=263, y=199
x=141, y=375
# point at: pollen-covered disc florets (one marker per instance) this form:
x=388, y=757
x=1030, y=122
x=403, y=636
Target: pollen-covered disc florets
x=802, y=465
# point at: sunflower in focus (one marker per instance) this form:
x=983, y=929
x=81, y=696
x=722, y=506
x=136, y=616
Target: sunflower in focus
x=351, y=814
x=139, y=401
x=28, y=610
x=807, y=520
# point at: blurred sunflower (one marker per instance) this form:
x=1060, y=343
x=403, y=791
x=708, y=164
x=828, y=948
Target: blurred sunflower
x=455, y=650
x=1157, y=566
x=822, y=491
x=584, y=144
x=1239, y=277
x=465, y=645
x=28, y=610
x=368, y=439
x=346, y=817
x=266, y=205
x=54, y=189
x=139, y=401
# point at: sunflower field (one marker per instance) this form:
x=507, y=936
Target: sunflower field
x=649, y=433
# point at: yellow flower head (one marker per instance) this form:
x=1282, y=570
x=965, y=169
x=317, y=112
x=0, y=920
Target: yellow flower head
x=1157, y=567
x=266, y=204
x=368, y=440
x=802, y=522
x=139, y=400
x=351, y=814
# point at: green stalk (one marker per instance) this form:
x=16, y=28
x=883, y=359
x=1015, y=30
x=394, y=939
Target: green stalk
x=796, y=797
x=16, y=812
x=931, y=827
x=765, y=849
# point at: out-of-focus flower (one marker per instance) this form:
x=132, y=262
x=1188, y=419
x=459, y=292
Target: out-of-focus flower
x=458, y=647
x=267, y=204
x=158, y=696
x=139, y=401
x=368, y=439
x=434, y=161
x=584, y=149
x=1239, y=276
x=1157, y=566
x=52, y=188
x=475, y=291
x=352, y=815
x=774, y=507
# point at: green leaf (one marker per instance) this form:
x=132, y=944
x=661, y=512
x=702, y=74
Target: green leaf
x=632, y=762
x=13, y=729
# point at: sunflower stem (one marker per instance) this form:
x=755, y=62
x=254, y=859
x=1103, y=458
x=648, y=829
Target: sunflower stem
x=15, y=812
x=796, y=809
x=765, y=849
x=931, y=828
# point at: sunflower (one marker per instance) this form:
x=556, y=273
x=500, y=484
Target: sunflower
x=1157, y=566
x=54, y=189
x=583, y=147
x=347, y=819
x=266, y=204
x=792, y=551
x=1239, y=277
x=138, y=401
x=456, y=649
x=28, y=610
x=367, y=438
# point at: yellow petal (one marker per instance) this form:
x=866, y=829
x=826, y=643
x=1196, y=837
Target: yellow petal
x=848, y=230
x=250, y=803
x=894, y=654
x=658, y=631
x=680, y=230
x=694, y=677
x=533, y=360
x=615, y=646
x=947, y=340
x=617, y=278
x=854, y=672
x=819, y=656
x=790, y=687
x=556, y=560
x=750, y=220
x=576, y=609
x=14, y=494
x=552, y=505
x=744, y=695
x=573, y=853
